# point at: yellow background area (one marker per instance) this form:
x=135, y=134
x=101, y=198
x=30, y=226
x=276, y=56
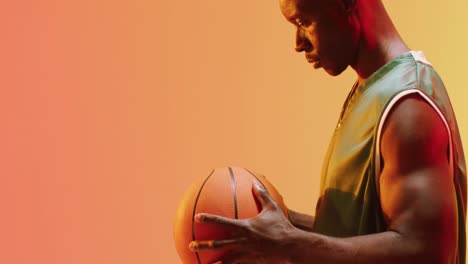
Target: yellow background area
x=110, y=109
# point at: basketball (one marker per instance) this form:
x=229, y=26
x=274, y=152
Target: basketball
x=226, y=192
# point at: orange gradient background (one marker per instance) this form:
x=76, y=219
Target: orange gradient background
x=110, y=109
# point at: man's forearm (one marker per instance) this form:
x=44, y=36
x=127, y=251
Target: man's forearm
x=301, y=221
x=387, y=247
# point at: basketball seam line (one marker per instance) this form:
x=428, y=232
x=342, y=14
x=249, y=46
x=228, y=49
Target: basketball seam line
x=257, y=179
x=193, y=214
x=234, y=192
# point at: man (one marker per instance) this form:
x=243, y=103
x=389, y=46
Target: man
x=393, y=187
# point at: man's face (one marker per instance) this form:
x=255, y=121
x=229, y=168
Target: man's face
x=325, y=32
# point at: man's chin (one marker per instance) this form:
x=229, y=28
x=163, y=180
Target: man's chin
x=334, y=71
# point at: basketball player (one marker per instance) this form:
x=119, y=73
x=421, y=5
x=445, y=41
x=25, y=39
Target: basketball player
x=393, y=186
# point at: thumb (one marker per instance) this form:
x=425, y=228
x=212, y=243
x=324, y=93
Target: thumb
x=262, y=195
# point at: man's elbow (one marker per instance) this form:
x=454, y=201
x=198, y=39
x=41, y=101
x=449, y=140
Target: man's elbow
x=437, y=252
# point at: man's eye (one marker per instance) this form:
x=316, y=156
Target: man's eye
x=301, y=23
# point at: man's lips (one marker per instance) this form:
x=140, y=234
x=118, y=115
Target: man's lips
x=314, y=60
x=311, y=59
x=317, y=65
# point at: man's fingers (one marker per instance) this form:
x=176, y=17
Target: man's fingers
x=216, y=244
x=263, y=196
x=231, y=223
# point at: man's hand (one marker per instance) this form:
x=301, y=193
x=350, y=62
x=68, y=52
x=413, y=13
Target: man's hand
x=261, y=239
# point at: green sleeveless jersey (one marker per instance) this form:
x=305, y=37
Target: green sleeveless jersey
x=349, y=203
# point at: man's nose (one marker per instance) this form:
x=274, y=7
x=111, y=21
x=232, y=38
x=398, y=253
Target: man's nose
x=302, y=43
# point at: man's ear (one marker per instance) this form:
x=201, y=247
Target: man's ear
x=347, y=5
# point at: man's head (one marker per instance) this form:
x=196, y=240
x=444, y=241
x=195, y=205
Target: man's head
x=328, y=31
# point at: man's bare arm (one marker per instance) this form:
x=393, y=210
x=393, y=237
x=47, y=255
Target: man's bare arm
x=417, y=196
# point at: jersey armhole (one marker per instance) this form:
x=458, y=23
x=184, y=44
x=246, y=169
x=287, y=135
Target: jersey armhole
x=390, y=105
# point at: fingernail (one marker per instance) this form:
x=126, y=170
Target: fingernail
x=198, y=217
x=258, y=185
x=193, y=246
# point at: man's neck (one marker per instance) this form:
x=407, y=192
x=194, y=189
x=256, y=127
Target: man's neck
x=380, y=41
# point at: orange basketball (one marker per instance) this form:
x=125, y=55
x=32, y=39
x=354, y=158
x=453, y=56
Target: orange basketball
x=227, y=192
